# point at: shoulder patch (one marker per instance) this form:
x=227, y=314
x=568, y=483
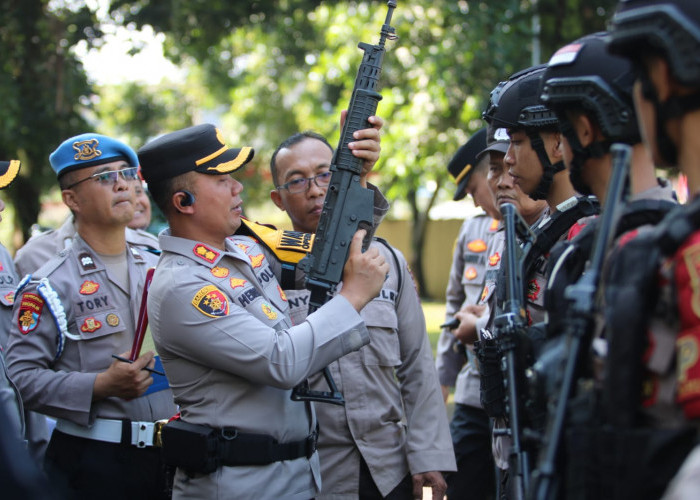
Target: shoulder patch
x=476, y=246
x=30, y=308
x=205, y=253
x=211, y=302
x=89, y=287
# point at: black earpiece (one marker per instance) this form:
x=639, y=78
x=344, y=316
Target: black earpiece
x=187, y=199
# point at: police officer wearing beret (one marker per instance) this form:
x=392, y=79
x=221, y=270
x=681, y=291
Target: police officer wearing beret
x=220, y=320
x=72, y=315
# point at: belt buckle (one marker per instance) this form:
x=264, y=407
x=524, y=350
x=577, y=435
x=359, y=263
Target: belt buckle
x=157, y=430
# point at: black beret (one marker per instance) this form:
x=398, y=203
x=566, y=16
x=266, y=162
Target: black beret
x=194, y=149
x=462, y=164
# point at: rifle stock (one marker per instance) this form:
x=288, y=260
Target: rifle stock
x=348, y=206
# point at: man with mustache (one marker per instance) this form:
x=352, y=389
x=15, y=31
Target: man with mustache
x=72, y=315
x=366, y=452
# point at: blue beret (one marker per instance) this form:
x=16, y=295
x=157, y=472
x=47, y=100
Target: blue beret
x=8, y=172
x=88, y=150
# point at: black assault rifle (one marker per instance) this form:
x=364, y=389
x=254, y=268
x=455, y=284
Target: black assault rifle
x=348, y=206
x=578, y=334
x=510, y=326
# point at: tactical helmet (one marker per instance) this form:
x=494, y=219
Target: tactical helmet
x=583, y=75
x=515, y=104
x=671, y=29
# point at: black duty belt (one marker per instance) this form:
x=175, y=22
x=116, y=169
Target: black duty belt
x=201, y=449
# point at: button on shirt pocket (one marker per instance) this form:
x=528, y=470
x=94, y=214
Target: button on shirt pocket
x=382, y=323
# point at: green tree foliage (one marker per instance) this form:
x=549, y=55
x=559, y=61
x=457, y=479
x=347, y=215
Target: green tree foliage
x=43, y=89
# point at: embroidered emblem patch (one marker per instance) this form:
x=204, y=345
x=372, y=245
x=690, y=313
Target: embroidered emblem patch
x=476, y=246
x=10, y=297
x=494, y=259
x=533, y=290
x=256, y=260
x=86, y=261
x=470, y=273
x=243, y=246
x=86, y=150
x=90, y=325
x=29, y=312
x=267, y=309
x=236, y=282
x=687, y=349
x=112, y=319
x=89, y=287
x=205, y=253
x=211, y=302
x=219, y=272
x=494, y=225
x=283, y=295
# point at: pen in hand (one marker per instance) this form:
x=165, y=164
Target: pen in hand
x=125, y=360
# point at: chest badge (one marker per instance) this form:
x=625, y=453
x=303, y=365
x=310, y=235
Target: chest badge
x=10, y=297
x=243, y=246
x=494, y=259
x=219, y=272
x=112, y=319
x=89, y=287
x=236, y=282
x=470, y=273
x=533, y=290
x=283, y=295
x=267, y=310
x=476, y=246
x=90, y=325
x=211, y=302
x=256, y=260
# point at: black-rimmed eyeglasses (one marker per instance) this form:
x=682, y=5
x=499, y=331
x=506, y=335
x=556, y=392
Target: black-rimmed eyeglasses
x=110, y=177
x=301, y=185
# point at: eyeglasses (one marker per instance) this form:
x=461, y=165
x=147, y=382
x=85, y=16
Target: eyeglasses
x=301, y=185
x=110, y=177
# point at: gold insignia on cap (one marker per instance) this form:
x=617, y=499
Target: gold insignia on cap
x=464, y=172
x=87, y=150
x=232, y=165
x=10, y=175
x=220, y=136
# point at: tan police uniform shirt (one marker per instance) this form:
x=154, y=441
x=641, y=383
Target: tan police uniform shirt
x=9, y=394
x=56, y=372
x=220, y=321
x=470, y=263
x=39, y=249
x=393, y=416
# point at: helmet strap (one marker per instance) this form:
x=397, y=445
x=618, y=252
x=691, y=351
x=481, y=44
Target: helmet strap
x=548, y=168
